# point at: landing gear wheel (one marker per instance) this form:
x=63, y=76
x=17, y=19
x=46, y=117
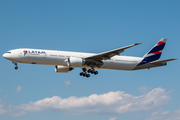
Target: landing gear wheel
x=92, y=71
x=16, y=67
x=81, y=74
x=84, y=74
x=89, y=71
x=96, y=72
x=87, y=75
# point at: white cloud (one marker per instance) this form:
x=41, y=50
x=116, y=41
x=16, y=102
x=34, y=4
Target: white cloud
x=165, y=112
x=109, y=103
x=113, y=118
x=143, y=89
x=0, y=90
x=166, y=115
x=10, y=110
x=67, y=83
x=18, y=88
x=5, y=97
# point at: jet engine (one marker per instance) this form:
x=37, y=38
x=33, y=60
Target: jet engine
x=62, y=69
x=75, y=62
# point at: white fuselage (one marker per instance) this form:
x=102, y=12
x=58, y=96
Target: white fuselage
x=52, y=57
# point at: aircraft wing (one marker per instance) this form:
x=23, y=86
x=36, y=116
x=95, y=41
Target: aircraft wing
x=109, y=54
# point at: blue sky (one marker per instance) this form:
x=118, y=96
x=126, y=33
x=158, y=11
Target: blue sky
x=89, y=26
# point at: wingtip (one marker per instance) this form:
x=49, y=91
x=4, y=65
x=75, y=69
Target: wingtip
x=137, y=43
x=175, y=59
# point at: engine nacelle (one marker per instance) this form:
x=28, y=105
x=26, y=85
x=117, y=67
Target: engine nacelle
x=75, y=62
x=62, y=69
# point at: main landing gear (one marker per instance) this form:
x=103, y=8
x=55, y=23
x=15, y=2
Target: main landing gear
x=92, y=71
x=85, y=74
x=16, y=67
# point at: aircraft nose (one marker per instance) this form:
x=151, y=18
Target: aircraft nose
x=5, y=55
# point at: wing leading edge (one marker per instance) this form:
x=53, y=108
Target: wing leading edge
x=109, y=54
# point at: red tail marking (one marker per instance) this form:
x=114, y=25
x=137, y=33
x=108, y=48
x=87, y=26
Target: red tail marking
x=160, y=43
x=156, y=52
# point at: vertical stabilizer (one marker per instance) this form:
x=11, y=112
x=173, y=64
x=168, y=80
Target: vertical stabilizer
x=155, y=52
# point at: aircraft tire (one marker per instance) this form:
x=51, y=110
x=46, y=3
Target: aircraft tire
x=96, y=72
x=84, y=74
x=81, y=74
x=92, y=71
x=89, y=71
x=87, y=75
x=16, y=67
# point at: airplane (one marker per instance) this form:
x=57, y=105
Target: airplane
x=65, y=61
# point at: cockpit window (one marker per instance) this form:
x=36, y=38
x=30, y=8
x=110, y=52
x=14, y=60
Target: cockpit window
x=8, y=52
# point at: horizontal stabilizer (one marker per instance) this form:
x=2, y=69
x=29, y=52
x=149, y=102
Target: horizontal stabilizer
x=163, y=61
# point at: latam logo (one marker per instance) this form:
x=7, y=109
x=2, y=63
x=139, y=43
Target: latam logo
x=25, y=52
x=36, y=52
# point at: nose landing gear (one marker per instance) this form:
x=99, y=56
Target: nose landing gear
x=16, y=67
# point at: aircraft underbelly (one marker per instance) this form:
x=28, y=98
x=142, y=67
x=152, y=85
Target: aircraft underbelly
x=54, y=61
x=121, y=65
x=43, y=60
